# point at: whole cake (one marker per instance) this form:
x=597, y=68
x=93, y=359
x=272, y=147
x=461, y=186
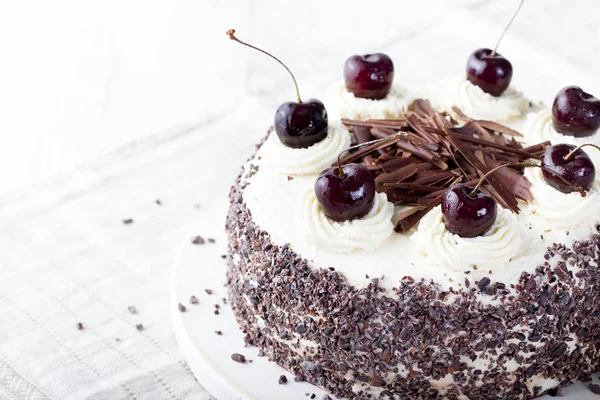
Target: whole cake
x=438, y=243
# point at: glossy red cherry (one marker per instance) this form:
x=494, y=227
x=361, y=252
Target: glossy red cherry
x=369, y=76
x=490, y=71
x=575, y=112
x=297, y=124
x=578, y=170
x=345, y=195
x=466, y=214
x=300, y=125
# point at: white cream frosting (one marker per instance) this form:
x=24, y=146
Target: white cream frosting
x=494, y=249
x=365, y=233
x=456, y=90
x=310, y=160
x=342, y=103
x=563, y=211
x=539, y=127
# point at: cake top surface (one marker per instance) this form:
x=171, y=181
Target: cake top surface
x=463, y=178
x=404, y=234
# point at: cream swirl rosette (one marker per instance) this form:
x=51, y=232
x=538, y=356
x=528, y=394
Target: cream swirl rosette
x=310, y=160
x=562, y=211
x=540, y=128
x=342, y=103
x=456, y=90
x=365, y=233
x=494, y=249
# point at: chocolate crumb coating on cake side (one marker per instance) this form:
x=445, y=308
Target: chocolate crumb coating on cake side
x=487, y=340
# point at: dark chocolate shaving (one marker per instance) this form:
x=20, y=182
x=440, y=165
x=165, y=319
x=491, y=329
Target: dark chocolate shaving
x=431, y=151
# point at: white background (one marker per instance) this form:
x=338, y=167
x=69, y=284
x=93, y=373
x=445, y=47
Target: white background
x=79, y=78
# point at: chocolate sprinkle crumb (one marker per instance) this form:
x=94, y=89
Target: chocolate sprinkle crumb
x=238, y=358
x=193, y=300
x=181, y=307
x=594, y=388
x=132, y=309
x=139, y=327
x=283, y=380
x=219, y=333
x=157, y=201
x=216, y=312
x=128, y=221
x=208, y=291
x=198, y=240
x=79, y=326
x=211, y=240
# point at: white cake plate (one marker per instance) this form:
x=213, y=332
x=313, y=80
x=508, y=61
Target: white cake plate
x=200, y=267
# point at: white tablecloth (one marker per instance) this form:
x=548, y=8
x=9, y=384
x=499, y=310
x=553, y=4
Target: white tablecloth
x=67, y=257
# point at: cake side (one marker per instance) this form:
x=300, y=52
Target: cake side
x=416, y=340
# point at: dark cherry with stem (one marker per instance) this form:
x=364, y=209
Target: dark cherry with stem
x=468, y=212
x=488, y=69
x=568, y=168
x=347, y=192
x=575, y=112
x=369, y=76
x=297, y=124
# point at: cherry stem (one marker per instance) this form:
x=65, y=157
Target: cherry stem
x=568, y=156
x=523, y=165
x=357, y=146
x=231, y=34
x=507, y=26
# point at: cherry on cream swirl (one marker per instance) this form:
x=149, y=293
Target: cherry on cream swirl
x=365, y=233
x=562, y=211
x=494, y=249
x=540, y=128
x=456, y=90
x=310, y=160
x=342, y=103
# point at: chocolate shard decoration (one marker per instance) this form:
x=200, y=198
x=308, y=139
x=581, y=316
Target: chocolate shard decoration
x=432, y=151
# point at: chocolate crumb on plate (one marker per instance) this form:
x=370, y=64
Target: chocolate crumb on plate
x=219, y=333
x=132, y=309
x=193, y=300
x=198, y=240
x=217, y=306
x=594, y=388
x=223, y=256
x=313, y=396
x=283, y=380
x=79, y=326
x=181, y=307
x=216, y=312
x=158, y=202
x=211, y=240
x=238, y=358
x=208, y=291
x=139, y=327
x=128, y=221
